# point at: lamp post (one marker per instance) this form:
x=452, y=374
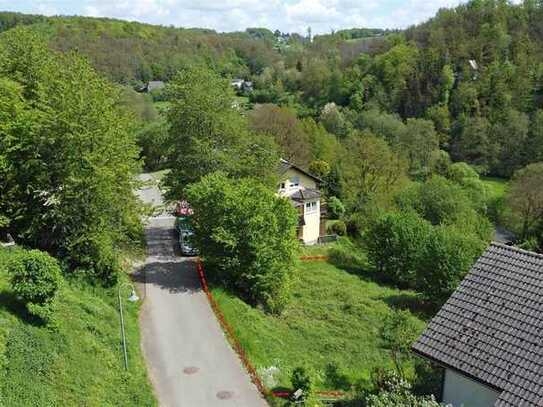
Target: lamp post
x=133, y=298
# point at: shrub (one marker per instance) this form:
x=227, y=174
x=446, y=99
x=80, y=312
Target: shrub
x=395, y=243
x=336, y=209
x=396, y=392
x=398, y=333
x=247, y=235
x=35, y=278
x=339, y=228
x=94, y=254
x=446, y=258
x=301, y=379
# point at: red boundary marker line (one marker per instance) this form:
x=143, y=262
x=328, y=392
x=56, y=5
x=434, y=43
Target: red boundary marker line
x=237, y=345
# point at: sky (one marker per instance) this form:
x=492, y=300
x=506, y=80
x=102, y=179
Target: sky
x=236, y=15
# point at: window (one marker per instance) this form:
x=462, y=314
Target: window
x=294, y=182
x=311, y=207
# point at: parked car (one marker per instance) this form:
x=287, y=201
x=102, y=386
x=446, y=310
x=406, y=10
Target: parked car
x=185, y=243
x=182, y=224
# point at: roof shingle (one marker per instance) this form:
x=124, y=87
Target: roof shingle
x=491, y=328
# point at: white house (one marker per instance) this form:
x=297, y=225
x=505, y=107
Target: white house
x=488, y=336
x=302, y=189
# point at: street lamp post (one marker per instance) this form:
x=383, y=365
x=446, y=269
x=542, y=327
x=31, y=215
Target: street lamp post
x=133, y=298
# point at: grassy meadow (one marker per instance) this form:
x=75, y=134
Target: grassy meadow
x=331, y=326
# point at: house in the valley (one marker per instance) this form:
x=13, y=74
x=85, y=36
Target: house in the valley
x=153, y=85
x=302, y=189
x=489, y=335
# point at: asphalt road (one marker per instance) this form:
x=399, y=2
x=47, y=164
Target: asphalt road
x=189, y=360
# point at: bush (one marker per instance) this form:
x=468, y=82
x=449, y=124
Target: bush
x=446, y=258
x=395, y=243
x=338, y=228
x=396, y=392
x=301, y=379
x=36, y=278
x=336, y=209
x=94, y=255
x=247, y=235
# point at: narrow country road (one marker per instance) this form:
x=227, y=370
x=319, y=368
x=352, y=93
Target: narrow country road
x=189, y=360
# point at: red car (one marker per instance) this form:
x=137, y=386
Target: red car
x=182, y=208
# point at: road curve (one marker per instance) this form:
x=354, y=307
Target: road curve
x=189, y=359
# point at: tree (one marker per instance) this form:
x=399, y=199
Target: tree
x=371, y=171
x=447, y=256
x=207, y=134
x=395, y=242
x=398, y=333
x=334, y=121
x=319, y=168
x=475, y=145
x=246, y=235
x=418, y=142
x=152, y=139
x=69, y=156
x=283, y=126
x=525, y=198
x=36, y=279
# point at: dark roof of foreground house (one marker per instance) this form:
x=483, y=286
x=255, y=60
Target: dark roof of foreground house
x=286, y=165
x=491, y=329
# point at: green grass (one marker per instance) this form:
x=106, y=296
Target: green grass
x=497, y=187
x=333, y=317
x=78, y=360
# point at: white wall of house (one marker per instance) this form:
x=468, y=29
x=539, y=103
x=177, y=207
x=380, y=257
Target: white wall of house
x=460, y=391
x=312, y=218
x=293, y=180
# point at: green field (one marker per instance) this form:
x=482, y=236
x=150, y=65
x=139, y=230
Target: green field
x=333, y=318
x=77, y=361
x=497, y=187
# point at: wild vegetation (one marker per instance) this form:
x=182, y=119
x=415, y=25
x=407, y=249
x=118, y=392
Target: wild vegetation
x=77, y=358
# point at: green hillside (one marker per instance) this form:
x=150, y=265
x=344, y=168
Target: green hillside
x=78, y=360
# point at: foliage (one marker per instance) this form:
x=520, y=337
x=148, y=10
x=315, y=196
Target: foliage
x=397, y=392
x=338, y=227
x=152, y=139
x=301, y=380
x=336, y=209
x=319, y=168
x=395, y=242
x=36, y=279
x=525, y=198
x=282, y=125
x=446, y=258
x=76, y=361
x=370, y=171
x=247, y=236
x=67, y=151
x=206, y=134
x=411, y=253
x=399, y=331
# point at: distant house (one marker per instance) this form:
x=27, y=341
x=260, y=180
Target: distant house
x=241, y=85
x=153, y=85
x=302, y=189
x=489, y=335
